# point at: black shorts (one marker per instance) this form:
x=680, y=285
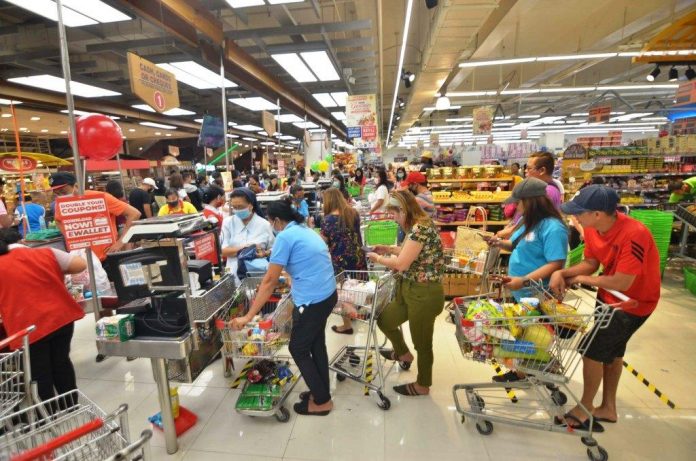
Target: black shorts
x=610, y=342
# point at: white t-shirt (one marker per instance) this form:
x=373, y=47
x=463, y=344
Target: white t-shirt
x=381, y=193
x=257, y=231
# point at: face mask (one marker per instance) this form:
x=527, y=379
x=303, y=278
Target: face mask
x=400, y=176
x=336, y=184
x=242, y=214
x=173, y=204
x=276, y=231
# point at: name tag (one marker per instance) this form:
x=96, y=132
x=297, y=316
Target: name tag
x=529, y=237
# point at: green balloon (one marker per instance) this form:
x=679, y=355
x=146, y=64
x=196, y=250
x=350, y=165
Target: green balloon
x=329, y=158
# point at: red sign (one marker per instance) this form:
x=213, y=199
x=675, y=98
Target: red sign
x=12, y=164
x=204, y=248
x=599, y=114
x=85, y=222
x=369, y=132
x=159, y=101
x=686, y=93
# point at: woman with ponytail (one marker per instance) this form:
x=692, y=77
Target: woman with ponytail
x=302, y=253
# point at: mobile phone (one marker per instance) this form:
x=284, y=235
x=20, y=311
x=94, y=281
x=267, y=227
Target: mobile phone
x=368, y=249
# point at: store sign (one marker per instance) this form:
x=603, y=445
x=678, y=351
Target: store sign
x=599, y=114
x=268, y=122
x=227, y=181
x=686, y=93
x=13, y=164
x=85, y=221
x=173, y=150
x=281, y=168
x=434, y=139
x=483, y=120
x=154, y=85
x=575, y=151
x=204, y=248
x=361, y=120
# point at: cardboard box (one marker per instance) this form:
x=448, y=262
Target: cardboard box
x=474, y=287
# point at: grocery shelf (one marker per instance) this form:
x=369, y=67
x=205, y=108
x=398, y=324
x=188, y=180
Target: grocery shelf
x=655, y=174
x=471, y=223
x=474, y=180
x=638, y=189
x=657, y=156
x=467, y=202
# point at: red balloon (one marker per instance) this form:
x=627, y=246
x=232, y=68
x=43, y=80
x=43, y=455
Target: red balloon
x=98, y=136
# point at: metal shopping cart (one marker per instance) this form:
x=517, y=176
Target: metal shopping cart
x=363, y=295
x=546, y=346
x=70, y=427
x=15, y=373
x=272, y=376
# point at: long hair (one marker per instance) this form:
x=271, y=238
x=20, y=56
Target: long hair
x=333, y=200
x=176, y=181
x=414, y=214
x=283, y=210
x=536, y=209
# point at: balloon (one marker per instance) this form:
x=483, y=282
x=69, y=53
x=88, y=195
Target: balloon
x=329, y=158
x=98, y=136
x=314, y=166
x=323, y=166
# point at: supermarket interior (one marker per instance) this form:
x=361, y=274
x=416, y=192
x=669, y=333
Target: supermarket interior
x=347, y=229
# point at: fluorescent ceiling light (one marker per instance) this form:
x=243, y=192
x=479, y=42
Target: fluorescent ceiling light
x=57, y=84
x=339, y=115
x=294, y=142
x=7, y=102
x=248, y=127
x=288, y=118
x=433, y=108
x=455, y=94
x=172, y=112
x=577, y=57
x=244, y=3
x=575, y=89
x=654, y=119
x=286, y=138
x=529, y=116
x=580, y=114
x=305, y=125
x=249, y=139
x=520, y=91
x=158, y=125
x=280, y=2
x=325, y=99
x=657, y=86
x=198, y=120
x=627, y=117
x=318, y=130
x=267, y=143
x=340, y=98
x=75, y=111
x=262, y=133
x=254, y=103
x=321, y=65
x=496, y=62
x=76, y=13
x=294, y=66
x=195, y=75
x=460, y=119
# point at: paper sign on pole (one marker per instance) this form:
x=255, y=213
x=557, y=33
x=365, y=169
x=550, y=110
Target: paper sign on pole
x=268, y=122
x=599, y=114
x=86, y=222
x=154, y=85
x=227, y=181
x=361, y=120
x=483, y=120
x=281, y=168
x=173, y=150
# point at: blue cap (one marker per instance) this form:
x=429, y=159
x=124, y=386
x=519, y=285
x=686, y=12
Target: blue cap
x=592, y=198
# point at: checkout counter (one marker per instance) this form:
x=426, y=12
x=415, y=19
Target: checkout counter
x=174, y=301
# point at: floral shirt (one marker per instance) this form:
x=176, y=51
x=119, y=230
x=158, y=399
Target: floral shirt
x=345, y=245
x=430, y=263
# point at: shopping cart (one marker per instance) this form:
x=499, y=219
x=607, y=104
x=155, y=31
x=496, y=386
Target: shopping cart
x=15, y=373
x=268, y=375
x=545, y=344
x=70, y=427
x=362, y=295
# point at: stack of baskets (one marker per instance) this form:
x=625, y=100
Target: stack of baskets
x=660, y=225
x=381, y=233
x=575, y=255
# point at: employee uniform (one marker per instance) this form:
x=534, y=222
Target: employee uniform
x=305, y=256
x=213, y=215
x=42, y=301
x=257, y=231
x=182, y=208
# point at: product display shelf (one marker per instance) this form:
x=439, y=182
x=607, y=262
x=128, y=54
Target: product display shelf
x=659, y=156
x=470, y=223
x=469, y=180
x=655, y=174
x=451, y=201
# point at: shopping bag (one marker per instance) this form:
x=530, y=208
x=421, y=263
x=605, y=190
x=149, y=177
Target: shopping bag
x=470, y=240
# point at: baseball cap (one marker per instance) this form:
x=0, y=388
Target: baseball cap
x=592, y=198
x=415, y=177
x=150, y=182
x=529, y=187
x=61, y=179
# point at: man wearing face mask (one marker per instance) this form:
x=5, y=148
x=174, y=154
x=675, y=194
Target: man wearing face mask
x=175, y=205
x=417, y=184
x=244, y=228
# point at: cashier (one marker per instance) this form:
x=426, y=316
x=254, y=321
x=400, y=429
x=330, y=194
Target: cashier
x=244, y=227
x=33, y=292
x=683, y=191
x=175, y=205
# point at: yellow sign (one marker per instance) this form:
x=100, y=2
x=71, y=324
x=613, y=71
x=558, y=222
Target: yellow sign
x=154, y=85
x=268, y=122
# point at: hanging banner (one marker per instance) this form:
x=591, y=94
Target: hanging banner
x=281, y=168
x=268, y=122
x=85, y=222
x=173, y=150
x=12, y=164
x=599, y=114
x=307, y=139
x=434, y=140
x=361, y=120
x=686, y=93
x=483, y=120
x=154, y=85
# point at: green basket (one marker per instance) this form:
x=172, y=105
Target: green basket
x=690, y=279
x=354, y=191
x=659, y=223
x=381, y=233
x=575, y=255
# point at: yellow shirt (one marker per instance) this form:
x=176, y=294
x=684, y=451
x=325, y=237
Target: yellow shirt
x=183, y=208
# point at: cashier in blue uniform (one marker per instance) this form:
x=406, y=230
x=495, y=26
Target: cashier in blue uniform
x=303, y=254
x=244, y=227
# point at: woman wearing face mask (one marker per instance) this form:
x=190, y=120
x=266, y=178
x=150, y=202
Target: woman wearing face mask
x=381, y=195
x=400, y=177
x=340, y=183
x=360, y=179
x=175, y=205
x=244, y=228
x=274, y=184
x=305, y=257
x=298, y=200
x=214, y=198
x=419, y=296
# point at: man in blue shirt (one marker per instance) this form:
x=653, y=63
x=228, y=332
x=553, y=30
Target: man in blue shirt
x=31, y=216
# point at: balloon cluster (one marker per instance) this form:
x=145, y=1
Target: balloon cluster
x=321, y=165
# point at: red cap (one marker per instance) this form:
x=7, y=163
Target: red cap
x=415, y=177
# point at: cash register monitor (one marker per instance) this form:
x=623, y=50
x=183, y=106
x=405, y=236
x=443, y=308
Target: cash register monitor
x=129, y=270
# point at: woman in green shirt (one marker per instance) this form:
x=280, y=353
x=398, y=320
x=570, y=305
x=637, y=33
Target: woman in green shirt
x=419, y=296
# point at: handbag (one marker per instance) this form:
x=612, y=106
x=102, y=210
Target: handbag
x=470, y=240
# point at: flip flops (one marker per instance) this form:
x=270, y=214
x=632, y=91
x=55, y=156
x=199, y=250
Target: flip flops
x=302, y=408
x=574, y=423
x=604, y=420
x=389, y=354
x=335, y=329
x=408, y=390
x=305, y=395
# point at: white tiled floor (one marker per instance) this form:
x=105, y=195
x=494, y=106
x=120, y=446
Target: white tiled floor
x=417, y=428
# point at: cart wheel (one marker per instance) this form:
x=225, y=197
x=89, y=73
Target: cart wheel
x=354, y=360
x=463, y=419
x=479, y=404
x=484, y=429
x=559, y=398
x=283, y=415
x=340, y=377
x=384, y=402
x=603, y=455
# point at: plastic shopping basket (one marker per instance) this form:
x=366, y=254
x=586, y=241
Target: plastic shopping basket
x=576, y=255
x=381, y=233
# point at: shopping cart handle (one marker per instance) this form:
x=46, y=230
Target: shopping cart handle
x=619, y=295
x=21, y=333
x=42, y=451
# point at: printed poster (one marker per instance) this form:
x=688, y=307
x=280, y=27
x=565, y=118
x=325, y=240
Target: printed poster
x=361, y=120
x=483, y=120
x=86, y=222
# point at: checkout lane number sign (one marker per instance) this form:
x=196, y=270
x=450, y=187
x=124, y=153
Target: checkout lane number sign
x=86, y=222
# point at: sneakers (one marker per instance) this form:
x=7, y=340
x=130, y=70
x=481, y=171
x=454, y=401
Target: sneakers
x=509, y=377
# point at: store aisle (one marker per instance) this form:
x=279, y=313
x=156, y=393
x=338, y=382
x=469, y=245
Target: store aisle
x=416, y=428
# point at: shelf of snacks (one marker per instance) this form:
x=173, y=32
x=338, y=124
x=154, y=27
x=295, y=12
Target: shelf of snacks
x=468, y=173
x=471, y=180
x=470, y=223
x=654, y=174
x=470, y=197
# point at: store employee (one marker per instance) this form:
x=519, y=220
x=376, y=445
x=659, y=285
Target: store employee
x=683, y=191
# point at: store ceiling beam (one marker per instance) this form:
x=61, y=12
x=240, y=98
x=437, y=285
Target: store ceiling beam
x=125, y=45
x=672, y=38
x=299, y=29
x=356, y=55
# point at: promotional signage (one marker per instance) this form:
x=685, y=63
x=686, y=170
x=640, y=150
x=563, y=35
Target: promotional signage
x=434, y=140
x=361, y=120
x=204, y=248
x=13, y=164
x=599, y=114
x=281, y=168
x=268, y=122
x=686, y=93
x=85, y=221
x=575, y=151
x=154, y=85
x=483, y=120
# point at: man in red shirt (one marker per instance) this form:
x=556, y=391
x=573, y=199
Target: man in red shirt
x=627, y=252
